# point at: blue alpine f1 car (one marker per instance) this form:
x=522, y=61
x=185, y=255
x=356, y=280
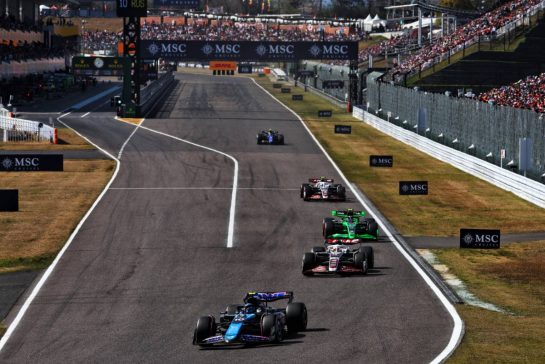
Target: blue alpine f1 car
x=270, y=137
x=253, y=322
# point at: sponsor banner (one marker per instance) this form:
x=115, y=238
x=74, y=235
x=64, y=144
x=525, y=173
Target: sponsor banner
x=297, y=97
x=223, y=66
x=31, y=162
x=248, y=51
x=479, y=239
x=413, y=187
x=277, y=85
x=325, y=113
x=245, y=68
x=285, y=90
x=177, y=4
x=343, y=129
x=9, y=200
x=97, y=66
x=333, y=84
x=381, y=161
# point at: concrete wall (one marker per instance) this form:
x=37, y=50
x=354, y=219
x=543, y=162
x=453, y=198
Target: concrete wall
x=327, y=72
x=487, y=127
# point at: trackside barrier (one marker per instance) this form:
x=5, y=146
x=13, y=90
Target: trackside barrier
x=521, y=186
x=150, y=94
x=14, y=129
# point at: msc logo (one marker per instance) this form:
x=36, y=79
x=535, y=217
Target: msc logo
x=479, y=238
x=168, y=48
x=329, y=50
x=413, y=187
x=220, y=49
x=19, y=164
x=381, y=161
x=153, y=49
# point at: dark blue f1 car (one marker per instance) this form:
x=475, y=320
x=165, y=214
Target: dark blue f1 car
x=253, y=322
x=270, y=137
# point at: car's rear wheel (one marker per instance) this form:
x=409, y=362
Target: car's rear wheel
x=369, y=254
x=303, y=186
x=306, y=193
x=281, y=139
x=328, y=228
x=206, y=327
x=360, y=261
x=309, y=262
x=296, y=317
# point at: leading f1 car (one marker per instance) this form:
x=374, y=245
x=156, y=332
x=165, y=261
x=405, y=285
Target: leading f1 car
x=253, y=322
x=270, y=137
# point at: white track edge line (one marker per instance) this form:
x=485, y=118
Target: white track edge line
x=232, y=210
x=50, y=269
x=458, y=328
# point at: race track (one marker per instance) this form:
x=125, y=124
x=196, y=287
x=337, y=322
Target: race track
x=152, y=256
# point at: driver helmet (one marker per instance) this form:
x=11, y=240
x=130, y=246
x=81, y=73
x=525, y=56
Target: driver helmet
x=270, y=131
x=250, y=308
x=322, y=179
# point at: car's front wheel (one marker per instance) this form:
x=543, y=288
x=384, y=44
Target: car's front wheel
x=296, y=317
x=206, y=327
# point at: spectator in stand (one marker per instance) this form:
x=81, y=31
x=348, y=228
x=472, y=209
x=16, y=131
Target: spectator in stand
x=528, y=93
x=228, y=30
x=483, y=26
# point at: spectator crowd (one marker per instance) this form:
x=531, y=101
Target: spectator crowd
x=528, y=93
x=225, y=31
x=486, y=25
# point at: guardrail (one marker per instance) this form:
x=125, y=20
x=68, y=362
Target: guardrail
x=151, y=93
x=521, y=186
x=14, y=129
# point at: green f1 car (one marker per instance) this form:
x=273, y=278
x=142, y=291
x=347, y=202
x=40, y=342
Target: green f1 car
x=349, y=226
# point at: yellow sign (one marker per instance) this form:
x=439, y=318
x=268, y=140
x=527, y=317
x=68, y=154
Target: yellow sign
x=223, y=66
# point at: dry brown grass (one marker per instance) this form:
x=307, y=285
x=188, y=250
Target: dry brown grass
x=456, y=199
x=51, y=204
x=68, y=140
x=514, y=278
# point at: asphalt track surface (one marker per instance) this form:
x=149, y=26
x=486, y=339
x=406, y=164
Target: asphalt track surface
x=152, y=256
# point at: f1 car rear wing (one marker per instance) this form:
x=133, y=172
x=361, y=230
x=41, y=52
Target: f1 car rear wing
x=316, y=180
x=269, y=296
x=347, y=213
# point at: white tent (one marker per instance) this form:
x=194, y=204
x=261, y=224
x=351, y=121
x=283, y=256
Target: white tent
x=377, y=22
x=368, y=23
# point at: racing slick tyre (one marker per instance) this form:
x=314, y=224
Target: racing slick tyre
x=281, y=139
x=307, y=193
x=341, y=192
x=369, y=254
x=206, y=327
x=328, y=227
x=373, y=228
x=258, y=140
x=270, y=328
x=361, y=261
x=309, y=262
x=296, y=317
x=303, y=186
x=318, y=249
